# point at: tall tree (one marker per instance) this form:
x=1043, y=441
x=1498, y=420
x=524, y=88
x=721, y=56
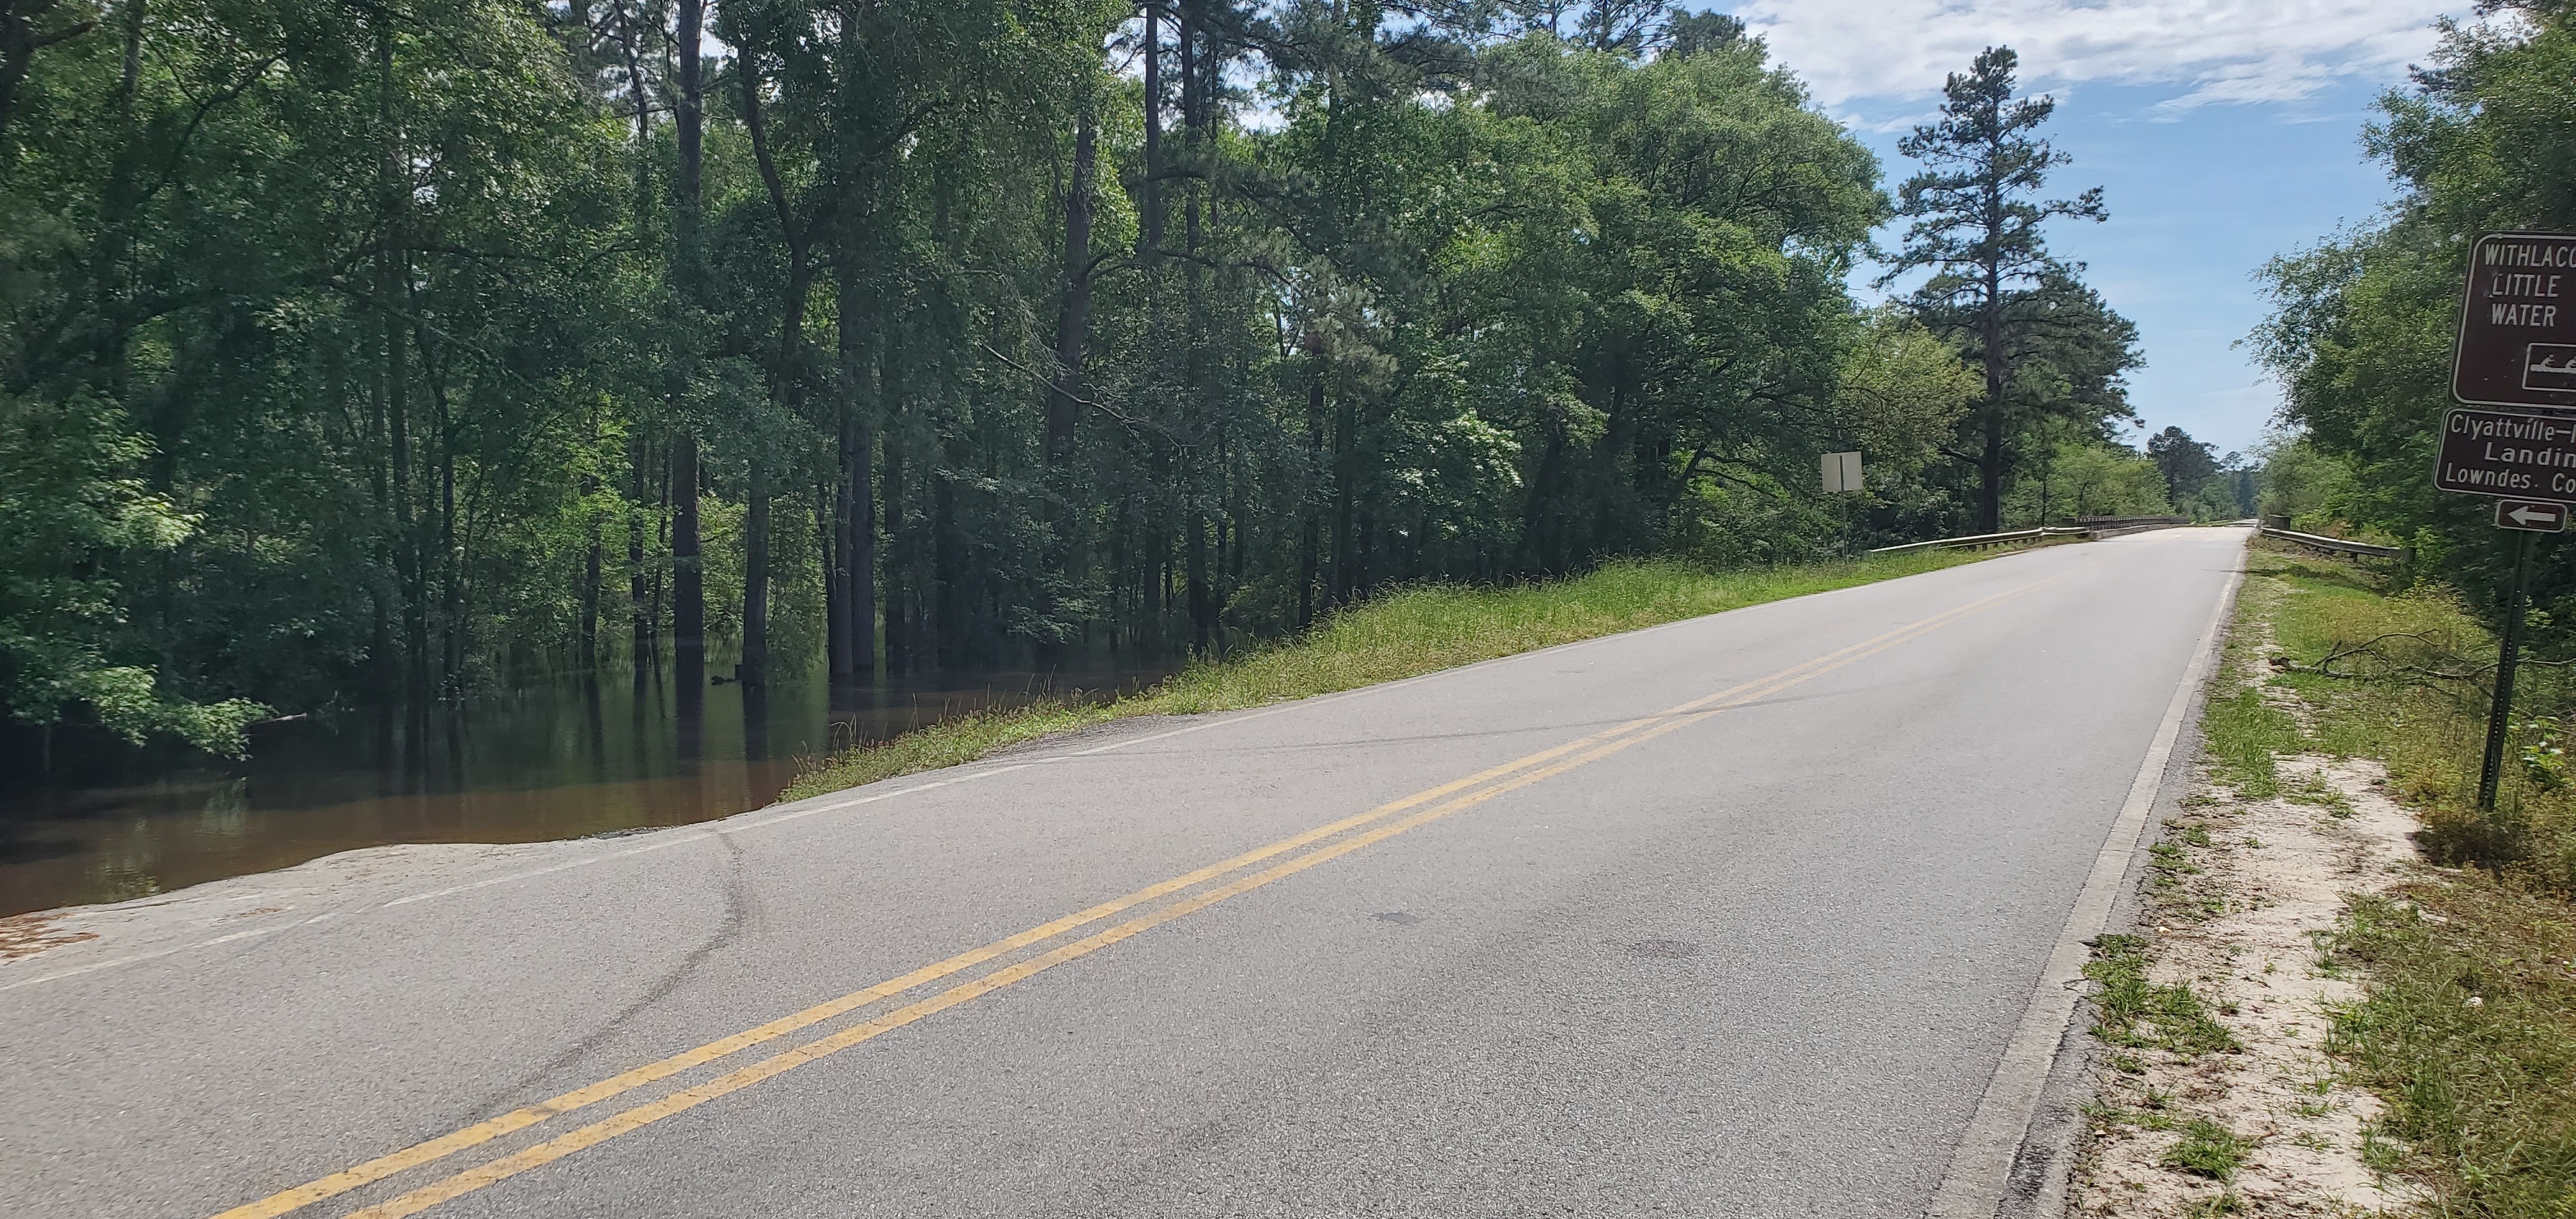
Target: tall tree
x=1977, y=220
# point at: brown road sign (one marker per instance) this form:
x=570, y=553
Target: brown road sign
x=2531, y=516
x=2508, y=454
x=2518, y=326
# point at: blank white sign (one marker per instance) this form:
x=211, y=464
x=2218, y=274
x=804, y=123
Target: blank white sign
x=1842, y=472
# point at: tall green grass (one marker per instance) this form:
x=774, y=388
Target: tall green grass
x=1400, y=634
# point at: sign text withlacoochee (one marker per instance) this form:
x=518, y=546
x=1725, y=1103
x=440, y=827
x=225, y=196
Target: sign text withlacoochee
x=2517, y=342
x=2507, y=453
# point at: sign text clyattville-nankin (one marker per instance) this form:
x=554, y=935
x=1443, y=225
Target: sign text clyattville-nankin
x=2506, y=453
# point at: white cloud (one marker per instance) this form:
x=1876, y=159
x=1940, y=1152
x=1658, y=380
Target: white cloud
x=2209, y=51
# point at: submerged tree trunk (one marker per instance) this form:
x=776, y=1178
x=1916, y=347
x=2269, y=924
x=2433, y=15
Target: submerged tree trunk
x=754, y=670
x=688, y=583
x=786, y=388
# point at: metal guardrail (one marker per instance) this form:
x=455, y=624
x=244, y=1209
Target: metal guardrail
x=1988, y=539
x=2336, y=545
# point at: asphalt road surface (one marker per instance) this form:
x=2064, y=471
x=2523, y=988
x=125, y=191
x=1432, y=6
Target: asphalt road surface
x=1735, y=916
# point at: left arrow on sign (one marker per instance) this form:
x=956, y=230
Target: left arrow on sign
x=2534, y=516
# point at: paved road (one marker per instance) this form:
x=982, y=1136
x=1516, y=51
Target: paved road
x=1753, y=944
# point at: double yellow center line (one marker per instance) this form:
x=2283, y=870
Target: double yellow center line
x=1319, y=845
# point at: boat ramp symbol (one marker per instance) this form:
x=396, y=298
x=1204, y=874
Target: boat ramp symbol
x=2550, y=366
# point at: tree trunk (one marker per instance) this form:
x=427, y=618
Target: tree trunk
x=1991, y=464
x=1991, y=458
x=1073, y=306
x=691, y=107
x=754, y=669
x=638, y=604
x=1202, y=608
x=1149, y=231
x=1345, y=480
x=1307, y=540
x=828, y=536
x=688, y=564
x=856, y=517
x=786, y=390
x=688, y=571
x=589, y=638
x=898, y=585
x=117, y=201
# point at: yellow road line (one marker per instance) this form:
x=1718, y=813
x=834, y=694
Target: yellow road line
x=449, y=1144
x=519, y=1119
x=680, y=1102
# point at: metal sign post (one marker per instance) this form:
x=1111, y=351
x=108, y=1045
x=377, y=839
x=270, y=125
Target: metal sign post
x=2500, y=713
x=2517, y=348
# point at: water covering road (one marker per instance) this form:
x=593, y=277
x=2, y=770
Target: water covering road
x=1737, y=916
x=552, y=761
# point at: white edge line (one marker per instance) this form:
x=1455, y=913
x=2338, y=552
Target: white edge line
x=1979, y=1169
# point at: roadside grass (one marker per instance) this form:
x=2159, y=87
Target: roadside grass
x=2242, y=732
x=2467, y=1023
x=2135, y=1013
x=2468, y=1029
x=1403, y=633
x=2241, y=735
x=2384, y=702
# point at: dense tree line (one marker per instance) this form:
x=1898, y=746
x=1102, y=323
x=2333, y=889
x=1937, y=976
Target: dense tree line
x=352, y=352
x=2362, y=332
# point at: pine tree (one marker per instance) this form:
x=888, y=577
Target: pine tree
x=1977, y=227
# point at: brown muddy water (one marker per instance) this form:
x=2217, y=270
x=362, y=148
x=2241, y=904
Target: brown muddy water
x=564, y=761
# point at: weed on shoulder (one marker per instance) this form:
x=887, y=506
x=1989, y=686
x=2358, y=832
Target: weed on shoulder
x=2136, y=1013
x=2208, y=1149
x=2228, y=1202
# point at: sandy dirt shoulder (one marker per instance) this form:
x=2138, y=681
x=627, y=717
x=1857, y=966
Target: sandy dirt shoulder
x=2243, y=898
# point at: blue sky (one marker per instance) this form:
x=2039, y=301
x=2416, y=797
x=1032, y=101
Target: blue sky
x=2222, y=132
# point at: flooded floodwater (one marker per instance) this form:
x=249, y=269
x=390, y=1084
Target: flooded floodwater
x=564, y=761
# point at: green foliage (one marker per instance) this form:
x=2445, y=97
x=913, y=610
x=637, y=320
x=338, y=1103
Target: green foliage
x=2300, y=481
x=2089, y=477
x=2188, y=465
x=68, y=513
x=1901, y=391
x=398, y=353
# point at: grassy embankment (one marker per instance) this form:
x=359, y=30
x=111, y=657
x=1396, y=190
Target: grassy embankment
x=1401, y=634
x=2467, y=1028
